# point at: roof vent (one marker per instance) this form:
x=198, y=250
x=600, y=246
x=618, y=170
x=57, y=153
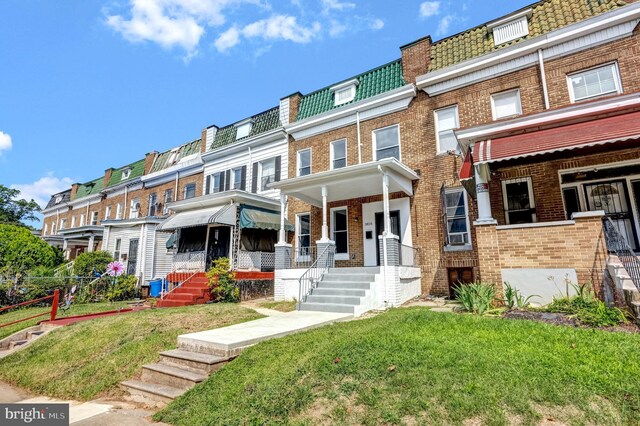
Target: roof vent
x=344, y=92
x=511, y=27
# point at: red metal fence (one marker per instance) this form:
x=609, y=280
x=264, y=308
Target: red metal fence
x=55, y=298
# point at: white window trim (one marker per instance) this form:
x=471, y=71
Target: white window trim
x=63, y=223
x=81, y=220
x=117, y=248
x=118, y=211
x=616, y=79
x=469, y=245
x=125, y=174
x=184, y=190
x=260, y=176
x=134, y=213
x=347, y=85
x=340, y=256
x=298, y=256
x=53, y=228
x=349, y=98
x=493, y=105
x=73, y=222
x=518, y=19
x=375, y=144
x=298, y=161
x=332, y=156
x=107, y=212
x=95, y=215
x=505, y=202
x=435, y=124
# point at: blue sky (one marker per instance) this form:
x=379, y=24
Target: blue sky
x=90, y=84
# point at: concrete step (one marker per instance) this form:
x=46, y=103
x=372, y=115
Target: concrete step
x=204, y=363
x=356, y=270
x=635, y=308
x=34, y=334
x=168, y=375
x=351, y=285
x=338, y=292
x=631, y=295
x=348, y=277
x=150, y=393
x=327, y=307
x=16, y=343
x=340, y=300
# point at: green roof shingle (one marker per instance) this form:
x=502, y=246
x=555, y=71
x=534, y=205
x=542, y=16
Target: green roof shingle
x=371, y=83
x=547, y=16
x=90, y=188
x=137, y=170
x=263, y=122
x=162, y=162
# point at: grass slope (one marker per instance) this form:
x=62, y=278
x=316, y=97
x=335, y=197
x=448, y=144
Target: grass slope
x=75, y=309
x=413, y=366
x=88, y=358
x=279, y=306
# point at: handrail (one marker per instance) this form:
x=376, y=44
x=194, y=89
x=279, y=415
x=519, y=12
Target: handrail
x=54, y=308
x=618, y=244
x=64, y=268
x=163, y=294
x=313, y=275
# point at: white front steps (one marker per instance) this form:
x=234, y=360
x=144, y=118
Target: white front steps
x=341, y=290
x=624, y=285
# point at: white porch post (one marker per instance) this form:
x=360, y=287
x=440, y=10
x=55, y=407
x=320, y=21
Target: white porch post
x=91, y=242
x=385, y=204
x=482, y=190
x=325, y=227
x=282, y=237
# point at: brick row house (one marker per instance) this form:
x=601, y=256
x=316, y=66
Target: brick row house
x=494, y=154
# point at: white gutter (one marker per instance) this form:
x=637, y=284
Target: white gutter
x=359, y=140
x=260, y=139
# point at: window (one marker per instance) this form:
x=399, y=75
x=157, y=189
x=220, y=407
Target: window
x=594, y=82
x=107, y=213
x=237, y=176
x=94, y=218
x=73, y=222
x=119, y=211
x=168, y=198
x=134, y=211
x=506, y=104
x=571, y=201
x=303, y=231
x=46, y=228
x=173, y=156
x=446, y=120
x=81, y=220
x=519, y=206
x=218, y=182
x=344, y=92
x=58, y=199
x=125, y=174
x=153, y=199
x=243, y=130
x=339, y=232
x=63, y=224
x=304, y=162
x=267, y=173
x=53, y=228
x=339, y=154
x=387, y=142
x=189, y=191
x=457, y=218
x=116, y=251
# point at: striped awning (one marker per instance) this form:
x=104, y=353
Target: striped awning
x=224, y=215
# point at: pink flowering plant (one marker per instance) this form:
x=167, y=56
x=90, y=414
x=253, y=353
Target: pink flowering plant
x=115, y=269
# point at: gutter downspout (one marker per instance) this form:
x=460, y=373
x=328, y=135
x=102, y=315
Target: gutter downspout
x=359, y=139
x=543, y=78
x=124, y=207
x=177, y=178
x=384, y=247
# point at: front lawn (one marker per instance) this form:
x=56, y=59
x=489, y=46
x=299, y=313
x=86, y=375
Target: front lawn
x=414, y=366
x=279, y=306
x=75, y=309
x=90, y=358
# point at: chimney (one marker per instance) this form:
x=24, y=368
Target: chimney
x=107, y=176
x=149, y=159
x=416, y=58
x=74, y=190
x=289, y=106
x=203, y=141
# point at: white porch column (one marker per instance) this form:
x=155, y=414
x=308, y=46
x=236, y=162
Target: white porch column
x=91, y=243
x=325, y=227
x=482, y=190
x=282, y=238
x=385, y=204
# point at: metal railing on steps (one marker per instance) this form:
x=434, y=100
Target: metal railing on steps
x=618, y=244
x=312, y=276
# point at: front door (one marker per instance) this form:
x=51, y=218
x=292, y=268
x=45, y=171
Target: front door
x=394, y=217
x=219, y=238
x=613, y=198
x=132, y=263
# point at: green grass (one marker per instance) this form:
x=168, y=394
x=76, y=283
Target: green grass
x=279, y=306
x=75, y=309
x=414, y=366
x=90, y=358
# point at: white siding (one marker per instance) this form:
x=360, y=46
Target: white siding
x=163, y=261
x=284, y=111
x=126, y=235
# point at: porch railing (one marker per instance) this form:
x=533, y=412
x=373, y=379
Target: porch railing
x=64, y=270
x=312, y=276
x=409, y=256
x=192, y=261
x=617, y=243
x=256, y=260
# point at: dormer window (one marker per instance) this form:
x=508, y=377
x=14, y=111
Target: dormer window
x=344, y=92
x=173, y=156
x=243, y=129
x=511, y=27
x=58, y=199
x=125, y=174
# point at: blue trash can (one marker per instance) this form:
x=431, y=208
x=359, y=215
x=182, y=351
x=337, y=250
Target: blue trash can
x=156, y=287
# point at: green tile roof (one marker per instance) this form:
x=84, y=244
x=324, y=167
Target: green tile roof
x=371, y=83
x=137, y=170
x=263, y=122
x=547, y=16
x=90, y=188
x=162, y=161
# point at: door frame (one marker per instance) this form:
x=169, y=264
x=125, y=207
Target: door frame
x=376, y=235
x=137, y=240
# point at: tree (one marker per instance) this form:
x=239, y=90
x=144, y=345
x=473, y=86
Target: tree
x=85, y=264
x=13, y=210
x=21, y=251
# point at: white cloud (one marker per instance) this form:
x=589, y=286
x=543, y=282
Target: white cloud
x=277, y=27
x=429, y=8
x=336, y=28
x=5, y=142
x=444, y=24
x=330, y=5
x=42, y=189
x=376, y=24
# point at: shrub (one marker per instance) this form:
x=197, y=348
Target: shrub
x=21, y=251
x=587, y=308
x=86, y=263
x=222, y=282
x=514, y=299
x=125, y=288
x=477, y=297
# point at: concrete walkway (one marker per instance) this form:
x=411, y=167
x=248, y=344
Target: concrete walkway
x=231, y=340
